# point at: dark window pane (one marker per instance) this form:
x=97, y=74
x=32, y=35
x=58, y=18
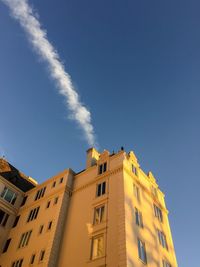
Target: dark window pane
x=48, y=204
x=5, y=220
x=20, y=263
x=100, y=169
x=14, y=199
x=105, y=167
x=2, y=213
x=44, y=189
x=6, y=245
x=103, y=188
x=42, y=255
x=32, y=259
x=24, y=201
x=49, y=226
x=36, y=214
x=16, y=221
x=99, y=190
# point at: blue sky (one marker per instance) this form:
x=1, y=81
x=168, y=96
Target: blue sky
x=136, y=67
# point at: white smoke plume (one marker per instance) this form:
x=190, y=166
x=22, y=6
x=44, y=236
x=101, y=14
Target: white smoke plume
x=22, y=11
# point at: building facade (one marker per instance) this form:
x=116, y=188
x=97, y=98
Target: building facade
x=110, y=214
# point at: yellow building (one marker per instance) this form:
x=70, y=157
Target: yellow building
x=110, y=214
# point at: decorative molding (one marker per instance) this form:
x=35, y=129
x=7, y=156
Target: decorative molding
x=7, y=207
x=11, y=186
x=137, y=180
x=63, y=189
x=103, y=176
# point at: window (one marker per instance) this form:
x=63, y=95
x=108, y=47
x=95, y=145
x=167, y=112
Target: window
x=54, y=184
x=24, y=201
x=61, y=180
x=16, y=221
x=49, y=225
x=136, y=191
x=42, y=255
x=32, y=259
x=142, y=251
x=48, y=204
x=99, y=214
x=101, y=189
x=6, y=245
x=138, y=218
x=40, y=193
x=33, y=214
x=56, y=200
x=41, y=229
x=8, y=195
x=154, y=191
x=97, y=247
x=17, y=263
x=158, y=213
x=24, y=239
x=102, y=168
x=166, y=264
x=3, y=218
x=162, y=239
x=134, y=170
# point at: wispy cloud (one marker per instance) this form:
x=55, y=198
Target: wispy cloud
x=23, y=12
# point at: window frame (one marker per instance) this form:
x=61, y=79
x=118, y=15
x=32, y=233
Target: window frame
x=48, y=204
x=136, y=191
x=41, y=229
x=17, y=263
x=24, y=239
x=6, y=245
x=101, y=189
x=33, y=214
x=133, y=169
x=165, y=263
x=101, y=215
x=55, y=200
x=138, y=218
x=24, y=201
x=102, y=253
x=162, y=239
x=4, y=218
x=142, y=254
x=158, y=212
x=49, y=225
x=32, y=260
x=154, y=191
x=102, y=168
x=5, y=192
x=40, y=193
x=16, y=221
x=41, y=256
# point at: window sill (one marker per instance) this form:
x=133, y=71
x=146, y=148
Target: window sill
x=95, y=259
x=144, y=262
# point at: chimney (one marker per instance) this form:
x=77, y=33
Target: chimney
x=92, y=157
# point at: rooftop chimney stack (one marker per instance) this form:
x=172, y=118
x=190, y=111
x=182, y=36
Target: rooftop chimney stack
x=92, y=157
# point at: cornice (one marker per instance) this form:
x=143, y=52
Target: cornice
x=12, y=186
x=7, y=207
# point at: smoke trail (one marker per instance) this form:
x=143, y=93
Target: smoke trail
x=24, y=14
